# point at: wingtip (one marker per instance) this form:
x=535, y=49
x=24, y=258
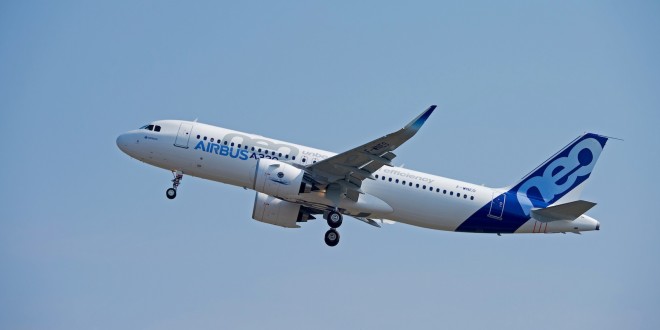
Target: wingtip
x=421, y=119
x=430, y=110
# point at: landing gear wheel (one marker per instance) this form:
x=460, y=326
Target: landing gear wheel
x=170, y=193
x=334, y=219
x=331, y=237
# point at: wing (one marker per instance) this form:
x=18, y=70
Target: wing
x=348, y=169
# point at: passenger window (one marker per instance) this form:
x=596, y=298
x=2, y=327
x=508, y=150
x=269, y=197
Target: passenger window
x=197, y=136
x=259, y=150
x=410, y=184
x=464, y=196
x=273, y=153
x=437, y=190
x=252, y=149
x=397, y=180
x=451, y=193
x=444, y=191
x=232, y=144
x=424, y=187
x=239, y=146
x=383, y=178
x=471, y=198
x=376, y=176
x=458, y=195
x=286, y=156
x=417, y=185
x=205, y=138
x=431, y=188
x=225, y=142
x=293, y=157
x=211, y=139
x=280, y=154
x=390, y=179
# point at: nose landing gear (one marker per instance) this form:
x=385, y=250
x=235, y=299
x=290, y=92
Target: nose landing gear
x=171, y=192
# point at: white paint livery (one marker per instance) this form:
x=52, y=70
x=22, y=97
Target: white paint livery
x=295, y=182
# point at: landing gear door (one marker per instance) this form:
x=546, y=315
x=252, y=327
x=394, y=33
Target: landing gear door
x=497, y=205
x=183, y=136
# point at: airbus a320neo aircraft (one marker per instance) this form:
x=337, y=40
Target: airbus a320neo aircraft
x=293, y=183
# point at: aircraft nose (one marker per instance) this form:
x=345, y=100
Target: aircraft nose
x=122, y=142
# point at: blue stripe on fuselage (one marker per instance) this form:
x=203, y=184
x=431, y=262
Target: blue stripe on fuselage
x=512, y=218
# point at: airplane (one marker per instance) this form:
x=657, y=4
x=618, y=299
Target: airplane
x=293, y=183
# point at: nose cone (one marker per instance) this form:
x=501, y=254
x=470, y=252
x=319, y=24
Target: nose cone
x=123, y=142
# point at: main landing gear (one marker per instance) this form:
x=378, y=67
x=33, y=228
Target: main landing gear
x=332, y=237
x=171, y=192
x=334, y=221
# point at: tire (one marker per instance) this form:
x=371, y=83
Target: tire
x=331, y=237
x=334, y=219
x=170, y=193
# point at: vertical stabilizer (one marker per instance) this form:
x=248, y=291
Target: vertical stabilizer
x=563, y=175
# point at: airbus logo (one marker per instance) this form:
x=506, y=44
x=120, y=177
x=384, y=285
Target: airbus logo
x=223, y=150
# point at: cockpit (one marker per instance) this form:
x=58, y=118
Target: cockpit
x=151, y=127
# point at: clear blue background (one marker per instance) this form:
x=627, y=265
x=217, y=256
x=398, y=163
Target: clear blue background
x=89, y=241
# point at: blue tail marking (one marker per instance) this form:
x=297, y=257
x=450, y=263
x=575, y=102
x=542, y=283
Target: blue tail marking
x=542, y=187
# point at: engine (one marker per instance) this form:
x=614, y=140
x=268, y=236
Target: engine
x=278, y=212
x=279, y=179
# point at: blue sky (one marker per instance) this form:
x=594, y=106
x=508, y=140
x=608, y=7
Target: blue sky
x=89, y=241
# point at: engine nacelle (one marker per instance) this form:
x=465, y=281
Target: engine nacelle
x=278, y=179
x=278, y=212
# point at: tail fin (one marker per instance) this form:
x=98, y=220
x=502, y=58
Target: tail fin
x=561, y=176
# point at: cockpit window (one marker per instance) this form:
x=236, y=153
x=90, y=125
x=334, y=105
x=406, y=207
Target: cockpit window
x=155, y=128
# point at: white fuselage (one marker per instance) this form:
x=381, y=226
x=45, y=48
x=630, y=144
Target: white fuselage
x=424, y=200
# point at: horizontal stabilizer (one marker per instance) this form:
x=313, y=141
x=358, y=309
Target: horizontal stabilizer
x=568, y=211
